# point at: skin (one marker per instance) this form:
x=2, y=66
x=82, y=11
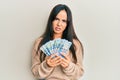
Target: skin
x=59, y=25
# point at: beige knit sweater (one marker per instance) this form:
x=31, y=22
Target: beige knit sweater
x=42, y=71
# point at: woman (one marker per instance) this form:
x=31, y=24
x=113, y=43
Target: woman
x=70, y=67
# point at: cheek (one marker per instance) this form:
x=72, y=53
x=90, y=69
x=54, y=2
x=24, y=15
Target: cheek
x=53, y=25
x=64, y=27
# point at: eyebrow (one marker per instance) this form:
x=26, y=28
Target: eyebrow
x=62, y=19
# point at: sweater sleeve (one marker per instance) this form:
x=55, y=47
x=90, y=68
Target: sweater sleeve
x=75, y=70
x=39, y=70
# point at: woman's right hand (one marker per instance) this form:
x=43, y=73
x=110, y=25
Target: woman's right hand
x=53, y=60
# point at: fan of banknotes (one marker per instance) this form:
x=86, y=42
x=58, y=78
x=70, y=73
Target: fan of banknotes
x=57, y=46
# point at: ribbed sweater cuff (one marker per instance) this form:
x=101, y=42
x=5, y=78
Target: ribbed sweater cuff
x=46, y=66
x=70, y=67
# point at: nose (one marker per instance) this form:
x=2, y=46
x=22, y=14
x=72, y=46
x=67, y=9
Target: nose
x=59, y=23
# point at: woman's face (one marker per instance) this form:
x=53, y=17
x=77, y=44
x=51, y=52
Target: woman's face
x=60, y=22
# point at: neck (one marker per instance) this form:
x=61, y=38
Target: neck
x=57, y=36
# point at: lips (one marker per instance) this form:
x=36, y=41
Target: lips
x=57, y=29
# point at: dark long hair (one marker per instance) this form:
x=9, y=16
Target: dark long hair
x=68, y=34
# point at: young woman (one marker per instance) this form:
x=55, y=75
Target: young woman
x=70, y=67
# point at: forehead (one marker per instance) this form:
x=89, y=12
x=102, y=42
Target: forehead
x=62, y=14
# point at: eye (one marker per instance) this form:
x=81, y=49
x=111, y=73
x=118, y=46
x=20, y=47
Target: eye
x=64, y=21
x=56, y=19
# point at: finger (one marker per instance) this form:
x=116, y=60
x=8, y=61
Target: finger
x=56, y=58
x=47, y=57
x=64, y=65
x=64, y=55
x=55, y=62
x=52, y=56
x=65, y=62
x=58, y=62
x=49, y=63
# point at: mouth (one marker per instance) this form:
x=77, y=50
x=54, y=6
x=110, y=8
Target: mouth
x=57, y=28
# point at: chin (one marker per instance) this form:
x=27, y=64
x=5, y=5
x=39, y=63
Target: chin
x=56, y=32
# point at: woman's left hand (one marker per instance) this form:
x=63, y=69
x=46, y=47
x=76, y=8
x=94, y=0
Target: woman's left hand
x=65, y=60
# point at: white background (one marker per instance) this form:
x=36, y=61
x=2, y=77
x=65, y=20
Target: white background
x=96, y=22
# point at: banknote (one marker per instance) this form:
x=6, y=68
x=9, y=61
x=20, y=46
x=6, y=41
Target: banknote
x=56, y=46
